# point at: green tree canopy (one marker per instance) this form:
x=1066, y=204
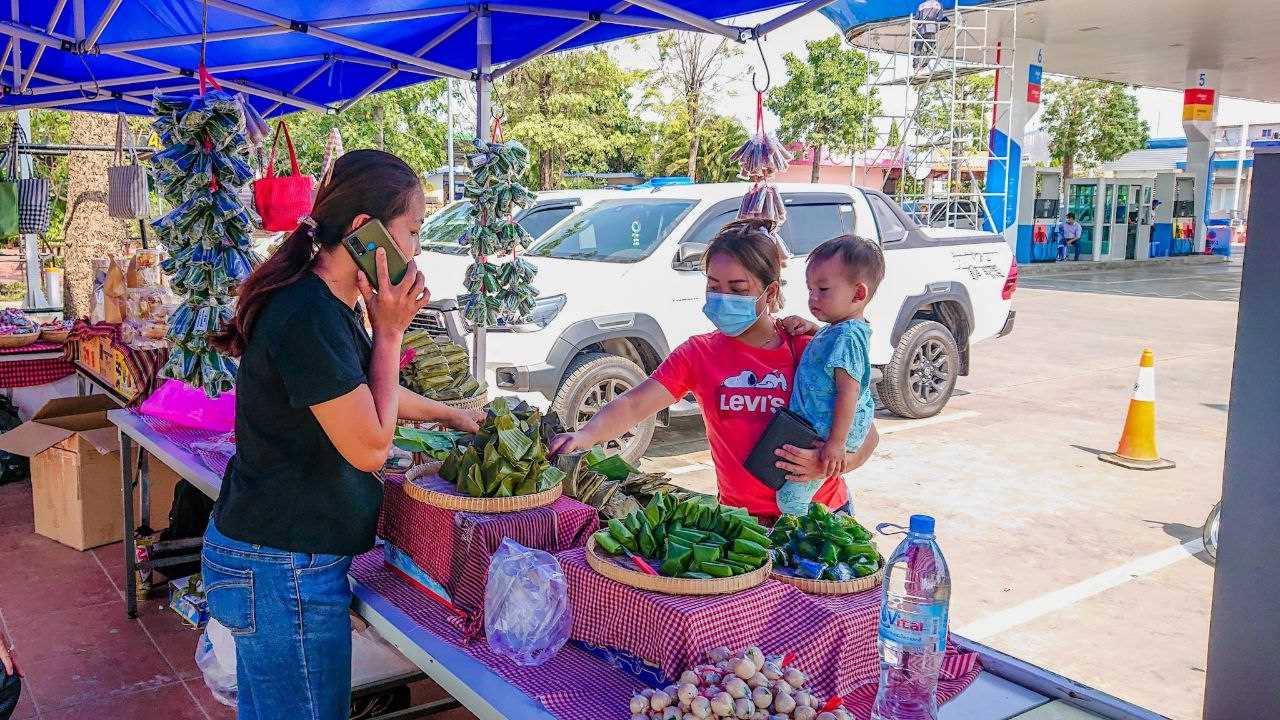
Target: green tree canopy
x=823, y=103
x=718, y=138
x=1090, y=122
x=574, y=111
x=694, y=68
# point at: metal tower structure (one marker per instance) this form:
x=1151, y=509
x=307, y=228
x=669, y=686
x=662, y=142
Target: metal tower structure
x=942, y=85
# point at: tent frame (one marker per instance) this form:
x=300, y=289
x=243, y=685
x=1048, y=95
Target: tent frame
x=85, y=42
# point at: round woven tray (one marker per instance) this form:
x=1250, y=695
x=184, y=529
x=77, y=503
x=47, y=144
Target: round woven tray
x=833, y=587
x=17, y=341
x=475, y=402
x=56, y=336
x=614, y=570
x=424, y=485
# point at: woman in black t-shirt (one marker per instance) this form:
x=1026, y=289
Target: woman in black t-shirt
x=317, y=401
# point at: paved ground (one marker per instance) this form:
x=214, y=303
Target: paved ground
x=1082, y=567
x=1217, y=281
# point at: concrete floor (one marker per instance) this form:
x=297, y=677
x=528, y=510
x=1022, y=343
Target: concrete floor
x=1215, y=279
x=1082, y=567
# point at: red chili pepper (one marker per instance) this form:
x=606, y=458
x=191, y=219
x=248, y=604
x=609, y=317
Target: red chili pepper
x=640, y=563
x=832, y=703
x=789, y=658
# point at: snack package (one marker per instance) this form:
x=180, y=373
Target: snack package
x=144, y=269
x=97, y=299
x=114, y=290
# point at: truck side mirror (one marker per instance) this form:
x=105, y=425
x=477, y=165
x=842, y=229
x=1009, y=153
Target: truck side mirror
x=689, y=256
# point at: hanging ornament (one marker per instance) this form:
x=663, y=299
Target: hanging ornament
x=760, y=157
x=498, y=293
x=332, y=151
x=200, y=173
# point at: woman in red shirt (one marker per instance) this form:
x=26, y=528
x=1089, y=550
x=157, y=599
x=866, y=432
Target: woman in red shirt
x=740, y=374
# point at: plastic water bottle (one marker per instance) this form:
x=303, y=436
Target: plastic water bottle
x=913, y=626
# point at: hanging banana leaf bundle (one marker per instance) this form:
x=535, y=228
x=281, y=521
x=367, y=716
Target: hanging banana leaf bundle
x=496, y=294
x=507, y=457
x=200, y=173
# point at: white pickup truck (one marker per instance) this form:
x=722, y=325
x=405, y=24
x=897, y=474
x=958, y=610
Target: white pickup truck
x=621, y=284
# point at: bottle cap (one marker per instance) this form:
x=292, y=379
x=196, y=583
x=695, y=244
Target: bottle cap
x=922, y=524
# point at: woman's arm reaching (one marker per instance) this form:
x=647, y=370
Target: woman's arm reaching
x=616, y=418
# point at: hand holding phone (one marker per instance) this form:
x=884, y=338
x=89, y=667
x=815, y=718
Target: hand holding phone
x=394, y=305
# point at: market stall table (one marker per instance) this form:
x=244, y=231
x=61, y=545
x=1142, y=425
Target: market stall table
x=37, y=364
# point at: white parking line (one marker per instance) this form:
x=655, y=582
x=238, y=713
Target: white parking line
x=998, y=622
x=686, y=469
x=925, y=422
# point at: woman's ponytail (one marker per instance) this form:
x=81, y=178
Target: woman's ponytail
x=362, y=182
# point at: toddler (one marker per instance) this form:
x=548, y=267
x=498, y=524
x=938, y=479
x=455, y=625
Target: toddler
x=832, y=387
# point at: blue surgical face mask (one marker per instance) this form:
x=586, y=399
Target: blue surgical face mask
x=731, y=314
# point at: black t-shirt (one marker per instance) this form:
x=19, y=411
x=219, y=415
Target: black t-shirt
x=287, y=486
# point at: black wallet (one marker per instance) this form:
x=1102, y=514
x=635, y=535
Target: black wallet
x=786, y=428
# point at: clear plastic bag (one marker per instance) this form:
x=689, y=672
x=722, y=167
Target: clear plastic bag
x=216, y=658
x=526, y=604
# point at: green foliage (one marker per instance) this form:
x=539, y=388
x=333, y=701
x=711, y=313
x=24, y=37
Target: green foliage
x=1090, y=122
x=823, y=103
x=693, y=70
x=895, y=135
x=718, y=138
x=405, y=122
x=573, y=111
x=972, y=121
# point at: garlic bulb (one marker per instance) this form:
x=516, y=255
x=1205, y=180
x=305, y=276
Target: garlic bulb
x=754, y=654
x=686, y=692
x=700, y=708
x=794, y=677
x=745, y=669
x=719, y=654
x=826, y=716
x=772, y=670
x=736, y=687
x=659, y=701
x=758, y=680
x=688, y=677
x=761, y=697
x=804, y=712
x=639, y=704
x=672, y=712
x=722, y=705
x=784, y=703
x=742, y=708
x=804, y=698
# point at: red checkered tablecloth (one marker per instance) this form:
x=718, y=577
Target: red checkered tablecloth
x=834, y=637
x=26, y=373
x=454, y=547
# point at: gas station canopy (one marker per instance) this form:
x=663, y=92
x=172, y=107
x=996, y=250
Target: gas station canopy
x=1151, y=43
x=322, y=55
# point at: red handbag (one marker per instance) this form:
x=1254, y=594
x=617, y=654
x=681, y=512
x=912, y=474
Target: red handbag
x=282, y=200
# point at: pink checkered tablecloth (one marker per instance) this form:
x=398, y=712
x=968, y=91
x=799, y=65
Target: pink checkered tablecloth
x=834, y=637
x=454, y=547
x=28, y=373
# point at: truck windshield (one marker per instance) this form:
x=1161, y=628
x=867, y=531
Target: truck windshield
x=614, y=230
x=441, y=231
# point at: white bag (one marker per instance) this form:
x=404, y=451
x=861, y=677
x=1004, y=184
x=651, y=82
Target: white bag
x=216, y=658
x=127, y=196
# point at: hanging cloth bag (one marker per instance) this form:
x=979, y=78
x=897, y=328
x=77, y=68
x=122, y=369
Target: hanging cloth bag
x=127, y=196
x=281, y=200
x=33, y=193
x=9, y=193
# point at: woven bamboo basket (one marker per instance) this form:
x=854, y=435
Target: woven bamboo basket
x=17, y=341
x=614, y=570
x=55, y=336
x=475, y=402
x=424, y=485
x=832, y=587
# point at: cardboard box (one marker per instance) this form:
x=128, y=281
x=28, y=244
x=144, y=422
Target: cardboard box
x=75, y=472
x=187, y=598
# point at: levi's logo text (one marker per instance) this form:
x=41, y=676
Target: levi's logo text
x=748, y=392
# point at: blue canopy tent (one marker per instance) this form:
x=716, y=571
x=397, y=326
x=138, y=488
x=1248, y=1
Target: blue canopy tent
x=322, y=55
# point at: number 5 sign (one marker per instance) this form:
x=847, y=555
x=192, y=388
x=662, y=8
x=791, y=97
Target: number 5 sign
x=1199, y=98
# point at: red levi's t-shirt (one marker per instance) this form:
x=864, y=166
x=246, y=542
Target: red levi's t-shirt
x=739, y=387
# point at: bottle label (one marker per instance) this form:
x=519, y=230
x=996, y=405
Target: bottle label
x=916, y=629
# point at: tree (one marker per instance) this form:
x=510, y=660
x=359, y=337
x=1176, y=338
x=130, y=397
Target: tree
x=718, y=138
x=972, y=115
x=571, y=110
x=694, y=67
x=405, y=122
x=822, y=103
x=895, y=135
x=1090, y=122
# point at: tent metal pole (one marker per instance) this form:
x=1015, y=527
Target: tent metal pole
x=336, y=38
x=484, y=58
x=107, y=14
x=324, y=67
x=556, y=42
x=794, y=13
x=694, y=19
x=77, y=12
x=17, y=46
x=447, y=195
x=54, y=17
x=610, y=18
x=371, y=62
x=428, y=47
x=156, y=77
x=252, y=32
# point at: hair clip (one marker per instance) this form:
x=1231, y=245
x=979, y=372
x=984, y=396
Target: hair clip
x=310, y=222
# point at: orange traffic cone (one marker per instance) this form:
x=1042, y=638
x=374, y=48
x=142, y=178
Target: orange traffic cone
x=1137, y=449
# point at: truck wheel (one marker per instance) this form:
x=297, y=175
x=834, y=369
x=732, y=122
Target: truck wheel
x=592, y=380
x=922, y=373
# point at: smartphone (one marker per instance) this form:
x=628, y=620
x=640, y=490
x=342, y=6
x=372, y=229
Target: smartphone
x=363, y=245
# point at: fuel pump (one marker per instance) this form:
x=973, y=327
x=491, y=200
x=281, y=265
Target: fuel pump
x=1184, y=217
x=1038, y=214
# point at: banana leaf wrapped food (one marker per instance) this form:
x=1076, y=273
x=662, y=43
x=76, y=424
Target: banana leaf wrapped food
x=507, y=457
x=821, y=545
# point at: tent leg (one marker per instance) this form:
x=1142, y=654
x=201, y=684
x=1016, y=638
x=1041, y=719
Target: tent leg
x=484, y=113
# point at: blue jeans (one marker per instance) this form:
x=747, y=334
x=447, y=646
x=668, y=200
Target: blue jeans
x=288, y=613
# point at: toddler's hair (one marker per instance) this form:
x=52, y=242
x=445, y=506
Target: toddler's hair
x=862, y=259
